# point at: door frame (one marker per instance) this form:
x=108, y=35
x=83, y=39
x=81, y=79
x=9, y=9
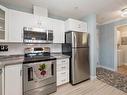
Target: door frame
x=115, y=46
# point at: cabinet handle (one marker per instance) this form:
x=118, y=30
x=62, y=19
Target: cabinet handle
x=22, y=35
x=63, y=80
x=63, y=73
x=63, y=61
x=21, y=72
x=63, y=67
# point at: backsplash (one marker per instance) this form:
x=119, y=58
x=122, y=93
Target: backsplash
x=19, y=48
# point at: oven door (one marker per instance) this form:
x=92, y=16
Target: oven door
x=39, y=74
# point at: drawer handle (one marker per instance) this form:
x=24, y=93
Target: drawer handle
x=63, y=73
x=63, y=80
x=63, y=61
x=63, y=67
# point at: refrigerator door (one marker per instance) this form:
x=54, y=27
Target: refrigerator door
x=80, y=69
x=80, y=39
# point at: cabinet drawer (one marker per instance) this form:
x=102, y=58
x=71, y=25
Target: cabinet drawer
x=62, y=77
x=62, y=61
x=62, y=81
x=62, y=67
x=62, y=64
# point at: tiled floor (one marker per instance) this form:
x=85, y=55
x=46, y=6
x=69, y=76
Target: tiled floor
x=114, y=79
x=122, y=69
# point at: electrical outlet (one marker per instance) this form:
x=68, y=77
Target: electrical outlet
x=3, y=47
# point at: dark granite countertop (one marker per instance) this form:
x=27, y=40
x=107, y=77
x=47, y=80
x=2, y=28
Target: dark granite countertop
x=19, y=59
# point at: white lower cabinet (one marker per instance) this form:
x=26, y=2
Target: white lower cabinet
x=13, y=80
x=62, y=71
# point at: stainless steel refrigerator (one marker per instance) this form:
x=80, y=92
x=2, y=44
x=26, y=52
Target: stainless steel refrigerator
x=79, y=65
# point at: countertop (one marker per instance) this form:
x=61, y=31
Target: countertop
x=18, y=59
x=59, y=55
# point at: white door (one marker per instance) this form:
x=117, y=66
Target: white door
x=13, y=80
x=18, y=20
x=58, y=30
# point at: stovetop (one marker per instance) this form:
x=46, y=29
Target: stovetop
x=27, y=59
x=32, y=59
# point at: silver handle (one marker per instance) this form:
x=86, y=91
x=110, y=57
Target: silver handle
x=63, y=67
x=47, y=35
x=21, y=72
x=75, y=40
x=63, y=73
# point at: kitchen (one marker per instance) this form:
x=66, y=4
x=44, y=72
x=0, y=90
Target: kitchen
x=40, y=53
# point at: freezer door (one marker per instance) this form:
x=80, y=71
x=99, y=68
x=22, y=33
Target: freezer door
x=80, y=69
x=80, y=39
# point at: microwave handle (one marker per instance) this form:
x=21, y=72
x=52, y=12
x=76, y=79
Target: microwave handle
x=47, y=35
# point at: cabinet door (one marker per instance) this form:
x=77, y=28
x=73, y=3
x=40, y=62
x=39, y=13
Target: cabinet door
x=75, y=25
x=13, y=80
x=3, y=24
x=18, y=20
x=83, y=27
x=58, y=30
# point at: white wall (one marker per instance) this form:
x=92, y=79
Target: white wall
x=108, y=52
x=19, y=48
x=124, y=54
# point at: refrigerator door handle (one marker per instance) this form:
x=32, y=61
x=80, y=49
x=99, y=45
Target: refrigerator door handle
x=75, y=40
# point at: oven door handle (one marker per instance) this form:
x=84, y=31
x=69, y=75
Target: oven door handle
x=52, y=69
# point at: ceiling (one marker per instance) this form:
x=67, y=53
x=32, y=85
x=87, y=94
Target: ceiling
x=106, y=10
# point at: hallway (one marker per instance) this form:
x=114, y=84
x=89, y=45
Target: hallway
x=122, y=69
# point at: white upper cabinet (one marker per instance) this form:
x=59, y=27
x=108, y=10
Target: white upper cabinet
x=3, y=24
x=18, y=20
x=58, y=30
x=75, y=25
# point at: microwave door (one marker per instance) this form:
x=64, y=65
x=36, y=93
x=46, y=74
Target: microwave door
x=35, y=37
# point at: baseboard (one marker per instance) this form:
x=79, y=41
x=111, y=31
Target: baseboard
x=93, y=77
x=107, y=68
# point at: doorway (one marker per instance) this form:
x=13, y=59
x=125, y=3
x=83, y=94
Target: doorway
x=121, y=43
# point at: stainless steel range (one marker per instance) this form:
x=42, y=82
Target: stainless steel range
x=39, y=72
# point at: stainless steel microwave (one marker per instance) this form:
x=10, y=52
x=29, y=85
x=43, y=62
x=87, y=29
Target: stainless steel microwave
x=37, y=35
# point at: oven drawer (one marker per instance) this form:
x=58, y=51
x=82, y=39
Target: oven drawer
x=45, y=90
x=62, y=77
